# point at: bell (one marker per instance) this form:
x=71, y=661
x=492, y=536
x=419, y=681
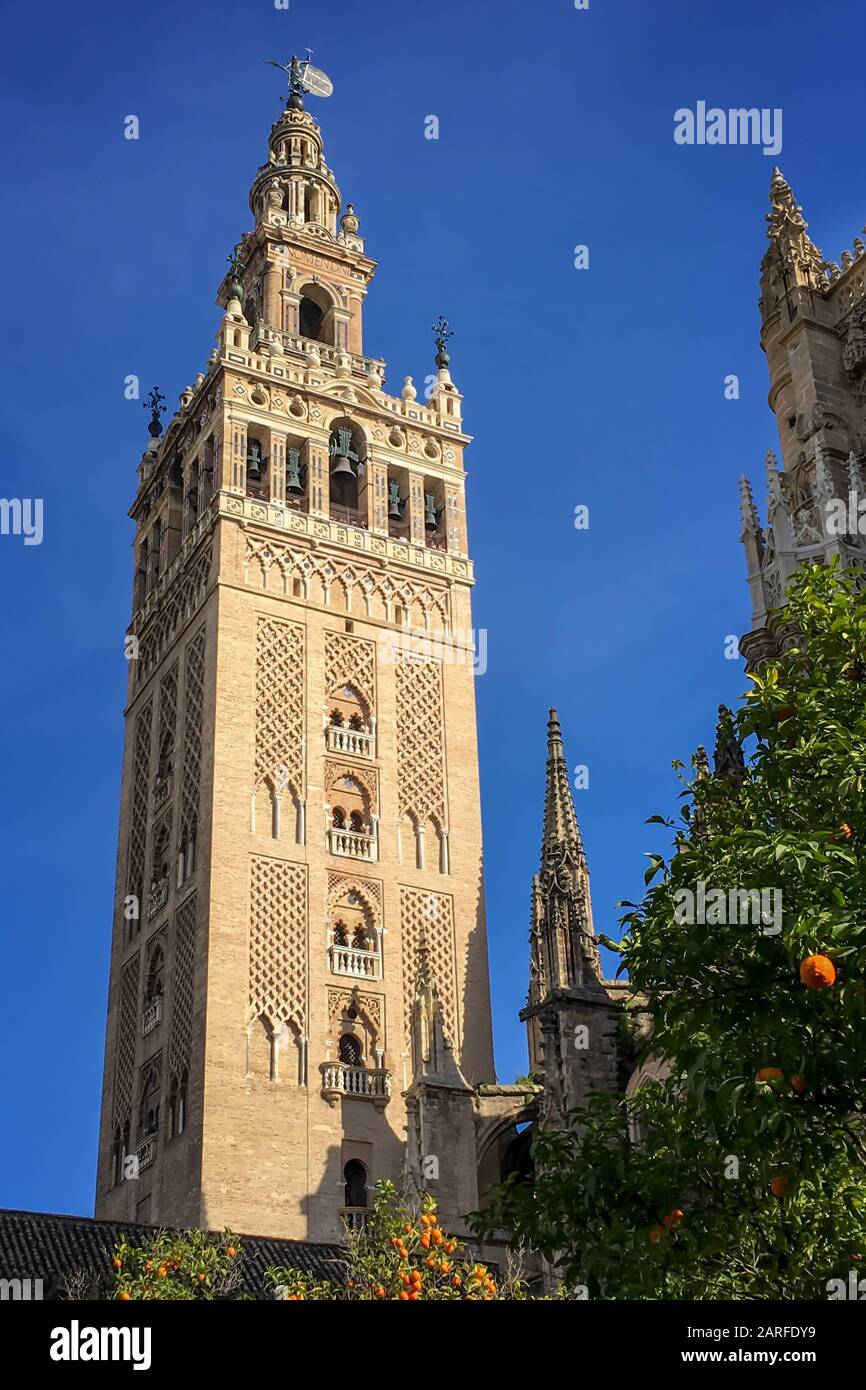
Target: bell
x=342, y=468
x=255, y=462
x=431, y=520
x=394, y=503
x=293, y=472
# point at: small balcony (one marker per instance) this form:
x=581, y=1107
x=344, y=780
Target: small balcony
x=158, y=896
x=146, y=1152
x=360, y=965
x=367, y=1083
x=356, y=1218
x=356, y=742
x=151, y=1016
x=352, y=844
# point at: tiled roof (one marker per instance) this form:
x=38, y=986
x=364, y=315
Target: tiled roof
x=38, y=1245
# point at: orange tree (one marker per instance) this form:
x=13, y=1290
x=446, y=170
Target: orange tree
x=178, y=1266
x=756, y=1135
x=402, y=1256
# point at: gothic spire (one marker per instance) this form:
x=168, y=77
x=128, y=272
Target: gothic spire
x=560, y=819
x=787, y=231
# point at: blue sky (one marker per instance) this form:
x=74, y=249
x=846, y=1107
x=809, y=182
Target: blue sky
x=601, y=387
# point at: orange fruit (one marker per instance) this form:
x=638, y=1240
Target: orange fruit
x=148, y=1264
x=655, y=1235
x=117, y=1262
x=126, y=1296
x=404, y=1296
x=798, y=1085
x=770, y=1074
x=430, y=1263
x=201, y=1278
x=162, y=1271
x=780, y=1187
x=425, y=1242
x=845, y=832
x=451, y=1246
x=675, y=1218
x=380, y=1292
x=231, y=1252
x=818, y=972
x=432, y=1221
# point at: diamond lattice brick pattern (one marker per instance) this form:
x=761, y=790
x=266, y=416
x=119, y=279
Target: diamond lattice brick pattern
x=430, y=915
x=278, y=941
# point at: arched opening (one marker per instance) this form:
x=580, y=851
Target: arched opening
x=347, y=451
x=355, y=1178
x=155, y=986
x=148, y=1115
x=316, y=315
x=350, y=1051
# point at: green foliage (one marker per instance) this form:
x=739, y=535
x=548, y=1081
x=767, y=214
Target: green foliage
x=178, y=1266
x=726, y=999
x=403, y=1256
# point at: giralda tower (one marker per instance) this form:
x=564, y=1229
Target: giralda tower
x=300, y=838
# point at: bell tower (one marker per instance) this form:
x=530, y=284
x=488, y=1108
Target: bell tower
x=300, y=824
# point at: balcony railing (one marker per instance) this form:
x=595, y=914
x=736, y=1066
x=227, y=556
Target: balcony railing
x=158, y=896
x=151, y=1016
x=357, y=742
x=356, y=1218
x=369, y=1083
x=146, y=1152
x=347, y=960
x=353, y=844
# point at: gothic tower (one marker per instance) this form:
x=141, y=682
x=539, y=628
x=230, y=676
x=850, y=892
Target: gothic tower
x=572, y=1016
x=813, y=331
x=300, y=827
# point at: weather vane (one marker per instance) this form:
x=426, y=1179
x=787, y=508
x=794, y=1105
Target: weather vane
x=303, y=78
x=154, y=404
x=441, y=334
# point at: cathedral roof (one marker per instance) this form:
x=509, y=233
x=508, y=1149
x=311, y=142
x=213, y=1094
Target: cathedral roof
x=40, y=1245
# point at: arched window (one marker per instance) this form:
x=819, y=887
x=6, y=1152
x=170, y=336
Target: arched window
x=338, y=815
x=360, y=940
x=315, y=314
x=149, y=1108
x=355, y=1178
x=356, y=822
x=341, y=935
x=350, y=1051
x=155, y=975
x=336, y=717
x=356, y=721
